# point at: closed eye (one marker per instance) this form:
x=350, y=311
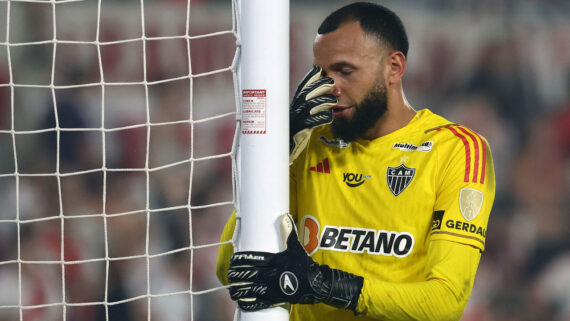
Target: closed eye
x=344, y=68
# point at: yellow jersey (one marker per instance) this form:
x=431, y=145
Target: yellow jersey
x=372, y=207
x=376, y=208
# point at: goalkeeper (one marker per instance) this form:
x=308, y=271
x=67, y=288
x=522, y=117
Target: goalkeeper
x=391, y=204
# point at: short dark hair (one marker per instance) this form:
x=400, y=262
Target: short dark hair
x=374, y=20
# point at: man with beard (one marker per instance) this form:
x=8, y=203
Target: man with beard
x=392, y=204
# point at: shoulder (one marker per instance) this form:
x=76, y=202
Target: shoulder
x=461, y=148
x=450, y=134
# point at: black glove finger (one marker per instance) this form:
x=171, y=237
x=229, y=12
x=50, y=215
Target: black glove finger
x=318, y=119
x=251, y=306
x=306, y=107
x=251, y=258
x=248, y=291
x=325, y=101
x=314, y=71
x=243, y=273
x=311, y=89
x=318, y=83
x=288, y=229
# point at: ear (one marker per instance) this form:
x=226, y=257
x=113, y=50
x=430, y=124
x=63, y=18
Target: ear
x=395, y=67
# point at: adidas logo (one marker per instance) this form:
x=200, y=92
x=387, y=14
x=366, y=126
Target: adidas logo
x=322, y=167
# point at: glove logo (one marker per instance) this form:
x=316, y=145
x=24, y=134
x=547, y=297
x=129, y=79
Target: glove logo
x=288, y=283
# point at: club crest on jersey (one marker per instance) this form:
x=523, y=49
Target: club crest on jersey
x=334, y=142
x=399, y=178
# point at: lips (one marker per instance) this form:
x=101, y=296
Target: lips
x=340, y=111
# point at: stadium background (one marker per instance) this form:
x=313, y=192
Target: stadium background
x=499, y=67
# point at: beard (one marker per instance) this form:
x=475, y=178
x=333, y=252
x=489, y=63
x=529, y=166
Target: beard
x=366, y=113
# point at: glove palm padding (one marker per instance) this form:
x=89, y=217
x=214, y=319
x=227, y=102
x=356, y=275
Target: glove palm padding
x=310, y=107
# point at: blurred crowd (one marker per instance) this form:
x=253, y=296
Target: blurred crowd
x=109, y=208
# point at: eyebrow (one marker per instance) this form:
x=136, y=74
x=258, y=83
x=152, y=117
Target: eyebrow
x=341, y=64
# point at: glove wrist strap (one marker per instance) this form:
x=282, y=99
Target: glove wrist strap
x=345, y=289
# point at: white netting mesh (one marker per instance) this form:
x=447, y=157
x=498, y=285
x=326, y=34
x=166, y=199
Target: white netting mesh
x=117, y=123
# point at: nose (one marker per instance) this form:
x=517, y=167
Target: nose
x=335, y=90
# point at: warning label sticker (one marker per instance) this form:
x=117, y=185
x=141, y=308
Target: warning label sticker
x=253, y=103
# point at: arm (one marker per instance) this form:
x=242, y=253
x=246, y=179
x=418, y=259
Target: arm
x=465, y=195
x=449, y=277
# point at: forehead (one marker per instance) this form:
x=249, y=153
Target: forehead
x=346, y=43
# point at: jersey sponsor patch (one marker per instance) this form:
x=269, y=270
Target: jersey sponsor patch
x=334, y=142
x=470, y=202
x=424, y=147
x=355, y=240
x=355, y=179
x=359, y=240
x=466, y=227
x=399, y=178
x=437, y=220
x=309, y=234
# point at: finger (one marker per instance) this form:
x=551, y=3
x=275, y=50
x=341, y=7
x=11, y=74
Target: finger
x=318, y=119
x=256, y=305
x=239, y=291
x=311, y=76
x=321, y=118
x=249, y=305
x=322, y=103
x=319, y=87
x=251, y=258
x=244, y=273
x=288, y=229
x=328, y=101
x=249, y=290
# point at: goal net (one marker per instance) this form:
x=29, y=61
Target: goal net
x=117, y=173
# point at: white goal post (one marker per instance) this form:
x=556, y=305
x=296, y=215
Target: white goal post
x=117, y=168
x=263, y=156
